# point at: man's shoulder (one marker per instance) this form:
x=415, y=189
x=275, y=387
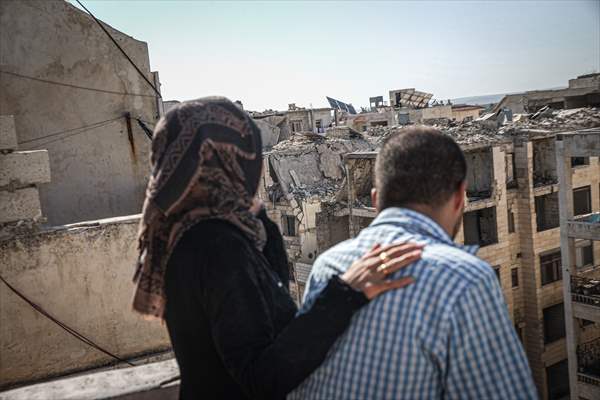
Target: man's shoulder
x=454, y=260
x=338, y=258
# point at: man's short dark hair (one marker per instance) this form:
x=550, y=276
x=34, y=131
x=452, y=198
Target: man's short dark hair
x=418, y=165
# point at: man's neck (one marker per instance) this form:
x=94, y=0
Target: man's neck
x=434, y=214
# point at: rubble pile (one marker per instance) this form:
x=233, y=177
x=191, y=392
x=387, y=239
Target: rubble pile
x=560, y=120
x=308, y=165
x=546, y=122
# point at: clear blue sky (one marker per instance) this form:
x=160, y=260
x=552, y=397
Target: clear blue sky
x=269, y=54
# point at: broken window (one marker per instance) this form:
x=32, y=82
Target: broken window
x=546, y=210
x=579, y=161
x=379, y=123
x=554, y=323
x=288, y=223
x=584, y=254
x=551, y=267
x=319, y=126
x=544, y=163
x=519, y=330
x=480, y=227
x=479, y=174
x=296, y=125
x=511, y=171
x=557, y=380
x=514, y=277
x=497, y=272
x=511, y=221
x=582, y=200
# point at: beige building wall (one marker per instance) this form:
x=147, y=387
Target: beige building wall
x=81, y=275
x=460, y=114
x=59, y=72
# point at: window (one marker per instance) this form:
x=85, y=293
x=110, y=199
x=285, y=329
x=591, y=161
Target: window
x=546, y=211
x=511, y=171
x=319, y=126
x=379, y=123
x=586, y=322
x=468, y=119
x=579, y=161
x=557, y=380
x=288, y=223
x=551, y=267
x=514, y=277
x=582, y=201
x=584, y=254
x=480, y=227
x=497, y=271
x=554, y=323
x=519, y=330
x=296, y=125
x=511, y=221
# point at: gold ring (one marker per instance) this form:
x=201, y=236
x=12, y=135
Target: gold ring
x=382, y=268
x=383, y=256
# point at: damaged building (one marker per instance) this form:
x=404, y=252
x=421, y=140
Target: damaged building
x=512, y=212
x=303, y=184
x=581, y=91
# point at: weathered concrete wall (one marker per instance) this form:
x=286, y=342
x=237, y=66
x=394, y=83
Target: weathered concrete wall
x=268, y=133
x=360, y=122
x=308, y=118
x=20, y=172
x=585, y=81
x=70, y=75
x=460, y=114
x=82, y=275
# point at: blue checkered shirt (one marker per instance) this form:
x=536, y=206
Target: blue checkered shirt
x=448, y=335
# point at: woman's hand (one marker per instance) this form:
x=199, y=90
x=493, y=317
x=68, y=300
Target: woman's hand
x=369, y=273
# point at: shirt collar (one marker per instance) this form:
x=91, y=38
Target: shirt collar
x=416, y=221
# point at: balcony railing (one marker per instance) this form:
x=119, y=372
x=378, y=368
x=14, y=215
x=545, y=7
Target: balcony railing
x=589, y=379
x=585, y=290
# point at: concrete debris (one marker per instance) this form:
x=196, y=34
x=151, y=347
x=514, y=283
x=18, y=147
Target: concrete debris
x=487, y=130
x=309, y=165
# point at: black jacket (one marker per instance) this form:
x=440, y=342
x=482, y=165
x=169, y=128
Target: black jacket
x=232, y=322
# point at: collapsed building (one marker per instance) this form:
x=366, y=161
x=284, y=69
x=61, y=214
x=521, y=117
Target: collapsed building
x=318, y=190
x=581, y=91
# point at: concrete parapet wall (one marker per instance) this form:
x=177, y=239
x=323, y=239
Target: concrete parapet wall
x=82, y=275
x=19, y=205
x=23, y=168
x=8, y=135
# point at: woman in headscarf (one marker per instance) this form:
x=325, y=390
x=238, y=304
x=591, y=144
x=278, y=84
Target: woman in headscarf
x=216, y=271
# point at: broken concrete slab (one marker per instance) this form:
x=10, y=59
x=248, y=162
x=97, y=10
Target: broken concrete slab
x=24, y=168
x=269, y=133
x=22, y=204
x=8, y=133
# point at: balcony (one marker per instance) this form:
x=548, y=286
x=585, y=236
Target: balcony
x=585, y=293
x=585, y=227
x=588, y=369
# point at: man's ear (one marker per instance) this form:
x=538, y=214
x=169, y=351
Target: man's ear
x=459, y=196
x=374, y=199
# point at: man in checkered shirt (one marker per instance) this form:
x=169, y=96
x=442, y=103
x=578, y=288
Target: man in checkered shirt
x=448, y=335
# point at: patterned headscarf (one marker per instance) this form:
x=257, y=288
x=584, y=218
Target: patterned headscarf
x=206, y=164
